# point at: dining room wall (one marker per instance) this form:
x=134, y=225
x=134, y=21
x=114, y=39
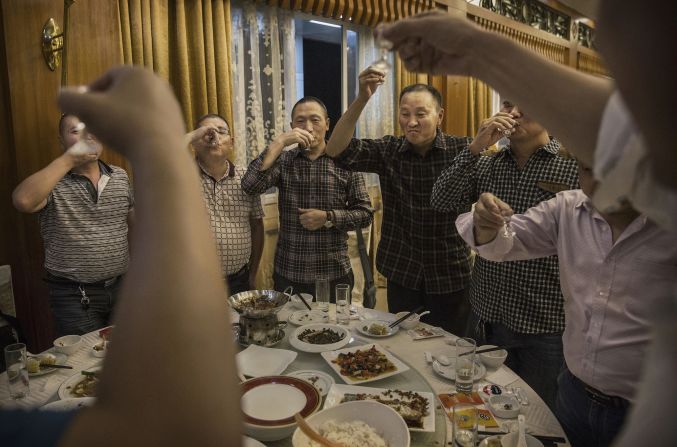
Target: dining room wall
x=28, y=129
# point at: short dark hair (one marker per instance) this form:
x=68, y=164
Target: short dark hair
x=62, y=121
x=310, y=99
x=423, y=88
x=199, y=121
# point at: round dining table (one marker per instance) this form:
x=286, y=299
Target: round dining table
x=420, y=377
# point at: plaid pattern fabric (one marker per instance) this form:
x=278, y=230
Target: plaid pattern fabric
x=303, y=255
x=525, y=296
x=419, y=247
x=230, y=210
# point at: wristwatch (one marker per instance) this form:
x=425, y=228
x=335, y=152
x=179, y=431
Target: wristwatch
x=329, y=223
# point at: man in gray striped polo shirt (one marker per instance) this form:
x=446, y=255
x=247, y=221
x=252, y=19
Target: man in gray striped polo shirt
x=236, y=218
x=84, y=208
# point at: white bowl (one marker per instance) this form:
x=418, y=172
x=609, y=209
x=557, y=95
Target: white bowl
x=298, y=304
x=269, y=404
x=504, y=406
x=409, y=323
x=68, y=344
x=382, y=418
x=493, y=359
x=301, y=345
x=100, y=353
x=510, y=440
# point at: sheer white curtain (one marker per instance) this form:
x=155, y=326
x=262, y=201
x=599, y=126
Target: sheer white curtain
x=263, y=74
x=377, y=119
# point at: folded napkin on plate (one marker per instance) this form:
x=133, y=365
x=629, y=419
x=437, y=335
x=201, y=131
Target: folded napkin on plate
x=258, y=361
x=502, y=377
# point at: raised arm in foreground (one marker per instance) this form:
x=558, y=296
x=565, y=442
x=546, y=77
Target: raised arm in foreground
x=169, y=378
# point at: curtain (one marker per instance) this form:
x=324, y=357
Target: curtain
x=377, y=119
x=186, y=43
x=264, y=76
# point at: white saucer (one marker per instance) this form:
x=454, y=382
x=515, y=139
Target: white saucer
x=449, y=372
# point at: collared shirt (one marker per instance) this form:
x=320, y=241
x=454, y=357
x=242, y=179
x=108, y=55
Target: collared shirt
x=230, y=213
x=419, y=247
x=525, y=296
x=84, y=229
x=611, y=289
x=303, y=255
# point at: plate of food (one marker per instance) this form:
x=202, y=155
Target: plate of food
x=320, y=380
x=376, y=328
x=40, y=364
x=319, y=337
x=362, y=364
x=417, y=408
x=69, y=404
x=422, y=332
x=82, y=384
x=301, y=317
x=449, y=371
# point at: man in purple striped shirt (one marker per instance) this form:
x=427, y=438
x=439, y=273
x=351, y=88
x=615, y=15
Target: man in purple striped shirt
x=615, y=271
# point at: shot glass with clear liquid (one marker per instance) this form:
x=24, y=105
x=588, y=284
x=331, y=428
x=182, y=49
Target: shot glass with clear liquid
x=507, y=232
x=384, y=46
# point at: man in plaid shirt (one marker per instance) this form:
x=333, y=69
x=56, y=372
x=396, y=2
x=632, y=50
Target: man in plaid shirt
x=518, y=302
x=318, y=202
x=420, y=252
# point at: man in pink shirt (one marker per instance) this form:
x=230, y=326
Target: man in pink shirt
x=615, y=271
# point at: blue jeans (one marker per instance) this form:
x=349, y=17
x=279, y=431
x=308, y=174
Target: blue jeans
x=72, y=316
x=586, y=421
x=538, y=359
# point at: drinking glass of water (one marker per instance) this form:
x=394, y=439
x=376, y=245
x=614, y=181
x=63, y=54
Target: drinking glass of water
x=464, y=425
x=343, y=304
x=465, y=364
x=322, y=297
x=17, y=374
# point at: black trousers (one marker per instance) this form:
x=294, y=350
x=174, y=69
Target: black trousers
x=282, y=283
x=447, y=310
x=238, y=281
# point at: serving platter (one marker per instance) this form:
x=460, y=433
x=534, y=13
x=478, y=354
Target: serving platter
x=337, y=392
x=331, y=356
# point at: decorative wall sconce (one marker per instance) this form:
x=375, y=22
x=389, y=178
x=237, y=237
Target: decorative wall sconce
x=52, y=44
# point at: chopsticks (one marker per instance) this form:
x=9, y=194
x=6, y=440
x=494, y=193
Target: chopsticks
x=399, y=320
x=303, y=300
x=497, y=348
x=55, y=366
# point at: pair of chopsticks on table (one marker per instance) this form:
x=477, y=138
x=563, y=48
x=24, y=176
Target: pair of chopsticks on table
x=497, y=348
x=399, y=320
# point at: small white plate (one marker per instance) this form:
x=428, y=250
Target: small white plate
x=69, y=383
x=257, y=361
x=71, y=403
x=449, y=372
x=250, y=442
x=337, y=392
x=301, y=345
x=363, y=328
x=60, y=360
x=320, y=380
x=302, y=317
x=330, y=356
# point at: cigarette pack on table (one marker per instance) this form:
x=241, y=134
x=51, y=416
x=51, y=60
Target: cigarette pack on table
x=486, y=419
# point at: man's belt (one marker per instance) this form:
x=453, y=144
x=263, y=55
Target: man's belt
x=602, y=398
x=69, y=282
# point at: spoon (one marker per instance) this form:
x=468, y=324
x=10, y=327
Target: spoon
x=312, y=434
x=423, y=313
x=521, y=440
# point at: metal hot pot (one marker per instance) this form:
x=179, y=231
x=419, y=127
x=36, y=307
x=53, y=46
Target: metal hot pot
x=258, y=316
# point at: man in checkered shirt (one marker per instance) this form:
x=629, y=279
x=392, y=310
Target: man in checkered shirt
x=519, y=302
x=236, y=218
x=420, y=252
x=318, y=202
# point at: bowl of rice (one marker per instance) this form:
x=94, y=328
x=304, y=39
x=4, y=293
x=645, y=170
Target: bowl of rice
x=358, y=423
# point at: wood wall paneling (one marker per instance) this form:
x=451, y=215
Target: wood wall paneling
x=29, y=128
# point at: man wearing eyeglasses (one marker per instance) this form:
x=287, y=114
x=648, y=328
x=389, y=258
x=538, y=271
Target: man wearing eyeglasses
x=236, y=219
